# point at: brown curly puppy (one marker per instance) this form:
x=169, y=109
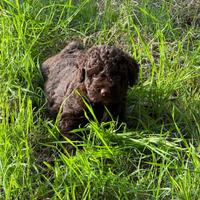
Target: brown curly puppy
x=101, y=74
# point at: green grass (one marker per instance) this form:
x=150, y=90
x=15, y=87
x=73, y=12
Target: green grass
x=158, y=157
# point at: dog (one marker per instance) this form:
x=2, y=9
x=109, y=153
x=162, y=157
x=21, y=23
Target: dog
x=101, y=75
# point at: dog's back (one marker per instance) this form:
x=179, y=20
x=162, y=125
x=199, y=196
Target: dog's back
x=58, y=71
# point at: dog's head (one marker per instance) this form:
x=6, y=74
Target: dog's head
x=107, y=72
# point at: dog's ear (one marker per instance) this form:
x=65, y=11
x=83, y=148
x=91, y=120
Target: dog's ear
x=81, y=75
x=133, y=70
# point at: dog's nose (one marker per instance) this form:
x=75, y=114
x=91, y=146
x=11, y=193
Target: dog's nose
x=104, y=92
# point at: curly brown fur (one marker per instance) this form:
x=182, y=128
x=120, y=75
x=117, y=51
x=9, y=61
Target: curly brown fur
x=102, y=74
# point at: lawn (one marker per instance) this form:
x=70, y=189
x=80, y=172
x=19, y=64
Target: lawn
x=155, y=156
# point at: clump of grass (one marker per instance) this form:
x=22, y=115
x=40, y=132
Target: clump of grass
x=154, y=156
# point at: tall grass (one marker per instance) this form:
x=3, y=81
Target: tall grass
x=156, y=156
